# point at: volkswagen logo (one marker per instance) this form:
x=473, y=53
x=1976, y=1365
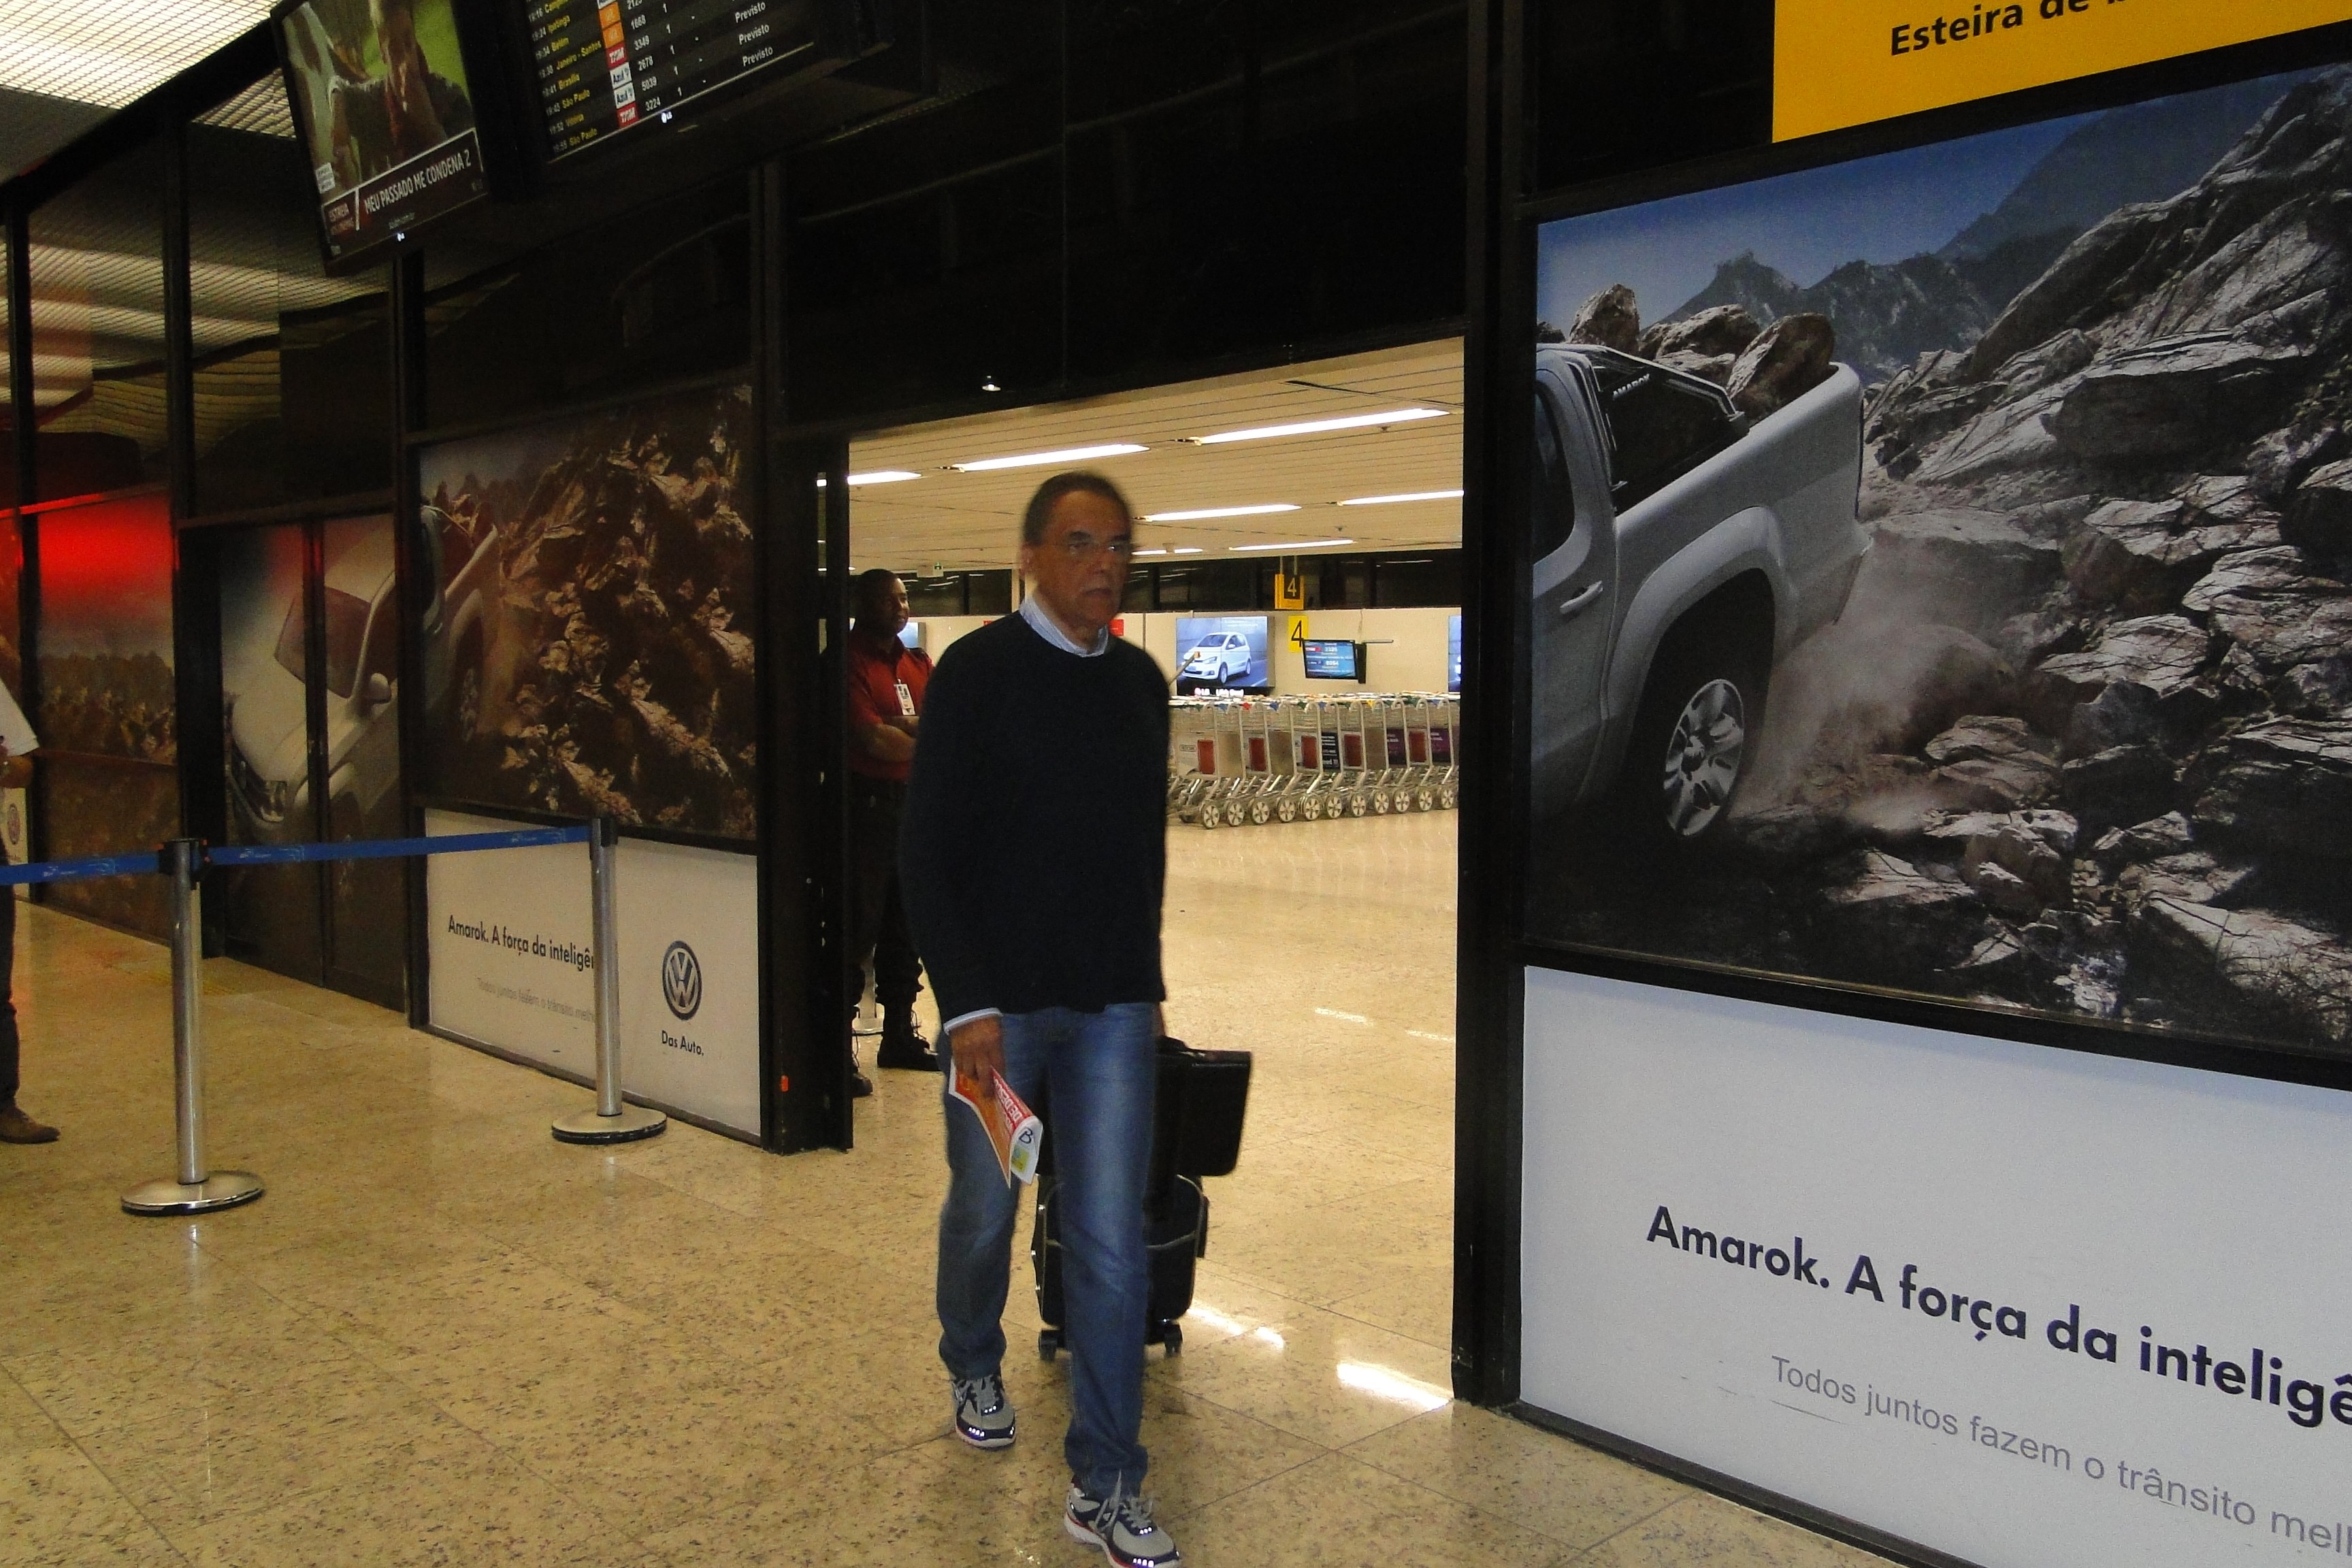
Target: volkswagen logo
x=681, y=981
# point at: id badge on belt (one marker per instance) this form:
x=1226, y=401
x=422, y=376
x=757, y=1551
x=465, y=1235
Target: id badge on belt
x=905, y=701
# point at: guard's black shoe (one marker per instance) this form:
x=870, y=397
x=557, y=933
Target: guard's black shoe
x=906, y=1050
x=860, y=1086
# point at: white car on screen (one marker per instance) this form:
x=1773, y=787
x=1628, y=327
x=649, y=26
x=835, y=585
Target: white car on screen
x=1220, y=660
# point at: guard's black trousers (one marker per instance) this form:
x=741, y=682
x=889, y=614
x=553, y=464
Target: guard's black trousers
x=878, y=915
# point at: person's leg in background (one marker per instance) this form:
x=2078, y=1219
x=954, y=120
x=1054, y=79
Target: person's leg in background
x=1102, y=1087
x=873, y=870
x=976, y=1226
x=897, y=981
x=15, y=1127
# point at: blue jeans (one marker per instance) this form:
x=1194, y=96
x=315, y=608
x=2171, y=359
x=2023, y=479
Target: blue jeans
x=1092, y=1076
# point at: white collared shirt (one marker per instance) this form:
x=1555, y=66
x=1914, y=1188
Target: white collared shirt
x=1044, y=626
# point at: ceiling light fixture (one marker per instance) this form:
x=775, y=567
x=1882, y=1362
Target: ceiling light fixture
x=1140, y=553
x=1199, y=512
x=1039, y=459
x=1318, y=426
x=1187, y=550
x=885, y=476
x=1294, y=545
x=1410, y=495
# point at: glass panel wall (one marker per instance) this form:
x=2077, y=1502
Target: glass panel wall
x=292, y=368
x=109, y=763
x=271, y=912
x=97, y=258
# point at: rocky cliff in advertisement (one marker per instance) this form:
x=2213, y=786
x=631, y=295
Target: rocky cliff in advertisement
x=587, y=646
x=2081, y=740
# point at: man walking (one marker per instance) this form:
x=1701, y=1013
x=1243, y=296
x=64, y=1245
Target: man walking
x=1034, y=854
x=15, y=1127
x=886, y=684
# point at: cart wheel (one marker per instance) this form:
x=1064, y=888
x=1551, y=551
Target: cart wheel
x=1311, y=809
x=1287, y=810
x=1426, y=800
x=1357, y=805
x=1173, y=1340
x=1048, y=1342
x=1212, y=815
x=1235, y=814
x=1380, y=802
x=1261, y=812
x=1449, y=797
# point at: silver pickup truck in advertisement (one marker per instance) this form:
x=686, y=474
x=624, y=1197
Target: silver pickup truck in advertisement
x=1680, y=552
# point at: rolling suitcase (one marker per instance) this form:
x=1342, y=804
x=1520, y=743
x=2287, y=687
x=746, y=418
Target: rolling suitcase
x=1202, y=1099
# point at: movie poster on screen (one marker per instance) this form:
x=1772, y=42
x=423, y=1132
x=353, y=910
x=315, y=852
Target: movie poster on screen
x=2020, y=1306
x=587, y=636
x=387, y=117
x=1944, y=571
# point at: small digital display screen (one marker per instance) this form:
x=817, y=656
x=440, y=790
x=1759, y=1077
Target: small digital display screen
x=1331, y=659
x=602, y=66
x=386, y=115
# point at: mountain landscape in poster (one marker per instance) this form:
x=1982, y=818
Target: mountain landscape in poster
x=2082, y=742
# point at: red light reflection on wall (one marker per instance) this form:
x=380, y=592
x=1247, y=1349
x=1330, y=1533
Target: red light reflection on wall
x=106, y=579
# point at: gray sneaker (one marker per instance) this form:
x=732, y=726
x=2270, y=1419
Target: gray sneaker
x=1122, y=1526
x=983, y=1415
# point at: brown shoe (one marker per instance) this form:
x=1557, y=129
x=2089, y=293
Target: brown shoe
x=15, y=1127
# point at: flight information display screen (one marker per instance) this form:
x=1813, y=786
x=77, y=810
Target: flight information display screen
x=603, y=65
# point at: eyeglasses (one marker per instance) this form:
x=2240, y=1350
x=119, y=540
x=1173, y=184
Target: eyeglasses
x=1086, y=547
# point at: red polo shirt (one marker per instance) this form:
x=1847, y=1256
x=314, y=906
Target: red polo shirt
x=885, y=681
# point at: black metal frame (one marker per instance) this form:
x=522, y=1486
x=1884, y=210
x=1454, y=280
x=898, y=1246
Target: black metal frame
x=1496, y=950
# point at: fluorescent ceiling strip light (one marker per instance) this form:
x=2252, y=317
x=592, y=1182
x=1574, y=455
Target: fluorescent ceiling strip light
x=884, y=477
x=1039, y=459
x=1294, y=545
x=1140, y=553
x=1198, y=513
x=1413, y=495
x=1318, y=426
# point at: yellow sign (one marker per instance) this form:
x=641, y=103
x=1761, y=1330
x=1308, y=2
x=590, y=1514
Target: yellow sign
x=1289, y=590
x=1848, y=62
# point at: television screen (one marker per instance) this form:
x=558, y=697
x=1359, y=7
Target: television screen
x=385, y=113
x=1454, y=654
x=1218, y=652
x=1331, y=658
x=600, y=67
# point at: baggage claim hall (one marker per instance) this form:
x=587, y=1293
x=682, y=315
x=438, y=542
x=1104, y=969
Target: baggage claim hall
x=499, y=497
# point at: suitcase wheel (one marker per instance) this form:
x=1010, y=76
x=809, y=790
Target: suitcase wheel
x=1173, y=1339
x=1049, y=1341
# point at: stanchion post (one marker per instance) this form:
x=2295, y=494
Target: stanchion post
x=612, y=1121
x=199, y=1187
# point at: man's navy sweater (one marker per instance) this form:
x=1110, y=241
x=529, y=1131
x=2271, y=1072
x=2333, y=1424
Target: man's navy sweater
x=1034, y=846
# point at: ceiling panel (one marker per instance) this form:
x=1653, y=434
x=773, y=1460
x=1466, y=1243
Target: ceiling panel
x=107, y=52
x=947, y=519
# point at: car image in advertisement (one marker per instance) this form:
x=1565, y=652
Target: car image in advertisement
x=1222, y=653
x=1943, y=572
x=387, y=119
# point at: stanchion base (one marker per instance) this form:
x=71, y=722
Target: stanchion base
x=221, y=1190
x=634, y=1122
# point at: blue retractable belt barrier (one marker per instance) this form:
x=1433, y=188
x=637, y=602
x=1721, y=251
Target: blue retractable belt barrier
x=387, y=848
x=143, y=863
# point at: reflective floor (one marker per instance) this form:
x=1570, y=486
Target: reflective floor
x=444, y=1338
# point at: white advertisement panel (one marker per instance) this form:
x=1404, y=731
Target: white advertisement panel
x=510, y=953
x=2025, y=1306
